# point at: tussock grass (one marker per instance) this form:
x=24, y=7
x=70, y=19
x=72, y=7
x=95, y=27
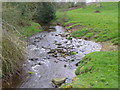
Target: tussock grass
x=17, y=25
x=14, y=47
x=13, y=53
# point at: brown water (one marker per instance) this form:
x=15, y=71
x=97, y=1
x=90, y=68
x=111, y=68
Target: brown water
x=52, y=55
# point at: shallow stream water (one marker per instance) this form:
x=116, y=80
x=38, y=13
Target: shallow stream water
x=52, y=55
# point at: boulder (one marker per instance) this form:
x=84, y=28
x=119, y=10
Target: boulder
x=58, y=81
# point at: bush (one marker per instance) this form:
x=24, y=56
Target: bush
x=45, y=12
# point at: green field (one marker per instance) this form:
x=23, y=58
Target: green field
x=97, y=69
x=103, y=26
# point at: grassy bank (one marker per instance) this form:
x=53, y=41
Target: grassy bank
x=97, y=69
x=18, y=24
x=16, y=27
x=91, y=21
x=13, y=54
x=14, y=49
x=32, y=29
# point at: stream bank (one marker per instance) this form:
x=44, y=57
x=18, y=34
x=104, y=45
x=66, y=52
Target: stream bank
x=52, y=54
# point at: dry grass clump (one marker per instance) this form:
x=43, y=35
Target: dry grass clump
x=13, y=53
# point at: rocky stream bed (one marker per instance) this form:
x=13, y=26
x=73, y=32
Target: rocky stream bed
x=52, y=58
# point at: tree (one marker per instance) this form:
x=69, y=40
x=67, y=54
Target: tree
x=45, y=12
x=18, y=13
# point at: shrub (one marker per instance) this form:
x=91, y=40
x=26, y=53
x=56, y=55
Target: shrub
x=45, y=12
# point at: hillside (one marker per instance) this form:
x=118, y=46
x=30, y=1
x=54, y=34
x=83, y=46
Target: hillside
x=97, y=69
x=100, y=24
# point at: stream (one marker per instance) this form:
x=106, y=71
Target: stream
x=52, y=55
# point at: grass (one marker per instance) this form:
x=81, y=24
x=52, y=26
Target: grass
x=30, y=72
x=76, y=24
x=97, y=70
x=80, y=33
x=103, y=24
x=17, y=25
x=13, y=54
x=69, y=38
x=73, y=53
x=90, y=34
x=13, y=48
x=32, y=29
